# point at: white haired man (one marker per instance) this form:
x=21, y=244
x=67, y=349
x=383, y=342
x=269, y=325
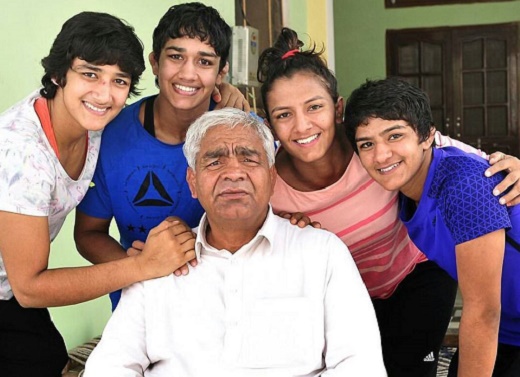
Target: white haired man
x=267, y=298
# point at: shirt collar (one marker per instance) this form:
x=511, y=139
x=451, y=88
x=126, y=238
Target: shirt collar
x=267, y=232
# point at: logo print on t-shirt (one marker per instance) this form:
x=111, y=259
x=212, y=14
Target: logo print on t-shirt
x=152, y=193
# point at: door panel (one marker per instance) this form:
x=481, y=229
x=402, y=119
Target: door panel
x=487, y=75
x=470, y=75
x=421, y=59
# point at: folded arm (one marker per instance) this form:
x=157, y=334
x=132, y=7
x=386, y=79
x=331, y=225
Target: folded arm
x=25, y=245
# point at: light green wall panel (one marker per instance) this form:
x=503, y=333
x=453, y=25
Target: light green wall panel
x=359, y=28
x=296, y=16
x=27, y=31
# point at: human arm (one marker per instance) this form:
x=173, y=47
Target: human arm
x=499, y=162
x=300, y=219
x=353, y=343
x=227, y=95
x=479, y=269
x=511, y=165
x=93, y=240
x=137, y=247
x=25, y=246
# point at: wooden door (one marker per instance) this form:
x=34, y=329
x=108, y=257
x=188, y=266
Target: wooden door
x=471, y=76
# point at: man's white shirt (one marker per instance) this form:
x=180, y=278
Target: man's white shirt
x=289, y=303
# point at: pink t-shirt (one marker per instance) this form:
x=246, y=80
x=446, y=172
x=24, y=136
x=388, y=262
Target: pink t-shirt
x=364, y=215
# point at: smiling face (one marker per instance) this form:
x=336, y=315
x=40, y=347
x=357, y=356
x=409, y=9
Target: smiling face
x=232, y=180
x=187, y=72
x=392, y=154
x=92, y=96
x=303, y=115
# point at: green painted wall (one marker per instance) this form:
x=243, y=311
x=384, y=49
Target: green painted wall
x=359, y=28
x=27, y=31
x=297, y=15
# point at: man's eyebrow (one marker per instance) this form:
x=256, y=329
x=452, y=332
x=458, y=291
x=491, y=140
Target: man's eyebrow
x=215, y=153
x=238, y=151
x=246, y=151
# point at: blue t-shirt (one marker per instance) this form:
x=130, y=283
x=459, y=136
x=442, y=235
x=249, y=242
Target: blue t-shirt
x=139, y=181
x=457, y=205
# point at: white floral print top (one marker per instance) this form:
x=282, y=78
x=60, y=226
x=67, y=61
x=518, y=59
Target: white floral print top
x=32, y=180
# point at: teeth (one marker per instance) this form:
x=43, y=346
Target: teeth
x=307, y=140
x=92, y=107
x=185, y=88
x=385, y=170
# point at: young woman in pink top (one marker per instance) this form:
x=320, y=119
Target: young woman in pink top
x=320, y=175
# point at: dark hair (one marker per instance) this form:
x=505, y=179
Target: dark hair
x=98, y=38
x=194, y=20
x=389, y=99
x=274, y=64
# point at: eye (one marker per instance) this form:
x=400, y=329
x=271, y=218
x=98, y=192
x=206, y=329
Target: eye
x=121, y=82
x=395, y=136
x=175, y=56
x=315, y=107
x=365, y=145
x=249, y=161
x=213, y=165
x=282, y=115
x=90, y=75
x=205, y=62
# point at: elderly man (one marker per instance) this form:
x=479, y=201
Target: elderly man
x=266, y=299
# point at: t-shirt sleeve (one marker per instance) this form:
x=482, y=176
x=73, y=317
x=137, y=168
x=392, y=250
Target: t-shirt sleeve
x=97, y=202
x=469, y=208
x=442, y=141
x=27, y=179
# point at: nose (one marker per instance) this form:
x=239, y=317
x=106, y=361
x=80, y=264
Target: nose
x=303, y=123
x=382, y=152
x=102, y=91
x=234, y=170
x=187, y=70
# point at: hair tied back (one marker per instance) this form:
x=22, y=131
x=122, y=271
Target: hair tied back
x=290, y=53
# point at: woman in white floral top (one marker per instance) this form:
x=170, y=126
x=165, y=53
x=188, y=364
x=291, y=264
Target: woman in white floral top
x=49, y=144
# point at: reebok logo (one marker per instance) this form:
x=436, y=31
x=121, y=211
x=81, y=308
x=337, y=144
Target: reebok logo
x=429, y=358
x=152, y=193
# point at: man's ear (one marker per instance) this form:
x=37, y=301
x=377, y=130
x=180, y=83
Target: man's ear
x=339, y=108
x=154, y=63
x=222, y=74
x=190, y=178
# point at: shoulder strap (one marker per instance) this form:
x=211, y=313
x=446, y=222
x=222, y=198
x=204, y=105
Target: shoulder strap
x=149, y=125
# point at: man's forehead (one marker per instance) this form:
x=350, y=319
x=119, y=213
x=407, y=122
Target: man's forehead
x=234, y=140
x=227, y=135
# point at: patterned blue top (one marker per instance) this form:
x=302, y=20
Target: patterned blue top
x=457, y=205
